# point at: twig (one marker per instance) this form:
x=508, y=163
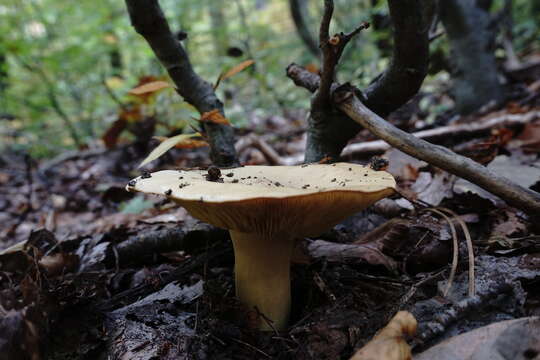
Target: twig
x=68, y=156
x=455, y=253
x=148, y=20
x=415, y=286
x=251, y=347
x=514, y=194
x=323, y=287
x=506, y=120
x=458, y=311
x=329, y=130
x=53, y=99
x=269, y=153
x=187, y=266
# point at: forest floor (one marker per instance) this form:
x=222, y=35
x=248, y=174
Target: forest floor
x=101, y=273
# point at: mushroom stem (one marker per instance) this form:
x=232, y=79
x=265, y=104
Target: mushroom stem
x=262, y=275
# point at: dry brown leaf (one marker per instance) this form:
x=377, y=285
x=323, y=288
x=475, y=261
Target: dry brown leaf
x=233, y=71
x=149, y=88
x=530, y=137
x=510, y=225
x=59, y=263
x=312, y=68
x=215, y=117
x=389, y=343
x=110, y=138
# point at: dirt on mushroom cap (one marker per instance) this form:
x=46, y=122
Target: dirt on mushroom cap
x=273, y=199
x=252, y=182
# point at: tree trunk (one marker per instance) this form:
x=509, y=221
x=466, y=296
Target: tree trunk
x=329, y=129
x=148, y=20
x=475, y=78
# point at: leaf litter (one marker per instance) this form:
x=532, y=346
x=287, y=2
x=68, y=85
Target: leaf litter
x=129, y=283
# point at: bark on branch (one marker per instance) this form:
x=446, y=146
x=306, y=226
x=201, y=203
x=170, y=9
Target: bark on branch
x=515, y=195
x=408, y=68
x=149, y=21
x=329, y=130
x=297, y=13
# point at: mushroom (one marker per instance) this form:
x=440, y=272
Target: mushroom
x=265, y=208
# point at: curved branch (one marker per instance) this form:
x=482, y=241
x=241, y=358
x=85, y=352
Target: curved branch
x=296, y=7
x=330, y=130
x=408, y=68
x=515, y=195
x=149, y=21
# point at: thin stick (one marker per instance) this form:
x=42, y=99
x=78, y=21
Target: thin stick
x=514, y=194
x=455, y=254
x=470, y=250
x=251, y=347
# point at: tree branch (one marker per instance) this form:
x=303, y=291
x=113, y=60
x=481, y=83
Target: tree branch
x=327, y=134
x=296, y=8
x=408, y=67
x=322, y=97
x=409, y=64
x=148, y=20
x=515, y=195
x=330, y=130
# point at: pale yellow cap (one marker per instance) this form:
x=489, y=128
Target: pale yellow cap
x=303, y=200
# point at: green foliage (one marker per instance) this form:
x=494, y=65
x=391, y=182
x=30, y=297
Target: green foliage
x=136, y=205
x=58, y=56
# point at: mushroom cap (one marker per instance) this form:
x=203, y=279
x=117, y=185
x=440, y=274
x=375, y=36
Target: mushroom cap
x=302, y=200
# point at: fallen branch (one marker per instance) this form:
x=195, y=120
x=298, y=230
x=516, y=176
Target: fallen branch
x=515, y=195
x=506, y=120
x=380, y=146
x=271, y=156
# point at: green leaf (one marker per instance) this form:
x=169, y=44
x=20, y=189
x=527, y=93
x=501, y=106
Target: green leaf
x=135, y=206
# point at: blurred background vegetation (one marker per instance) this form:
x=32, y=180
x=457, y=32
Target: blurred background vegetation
x=66, y=66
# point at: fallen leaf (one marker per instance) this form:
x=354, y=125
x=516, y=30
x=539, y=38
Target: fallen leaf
x=389, y=343
x=191, y=143
x=149, y=88
x=510, y=339
x=233, y=71
x=529, y=139
x=525, y=175
x=166, y=146
x=403, y=166
x=215, y=117
x=510, y=225
x=59, y=263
